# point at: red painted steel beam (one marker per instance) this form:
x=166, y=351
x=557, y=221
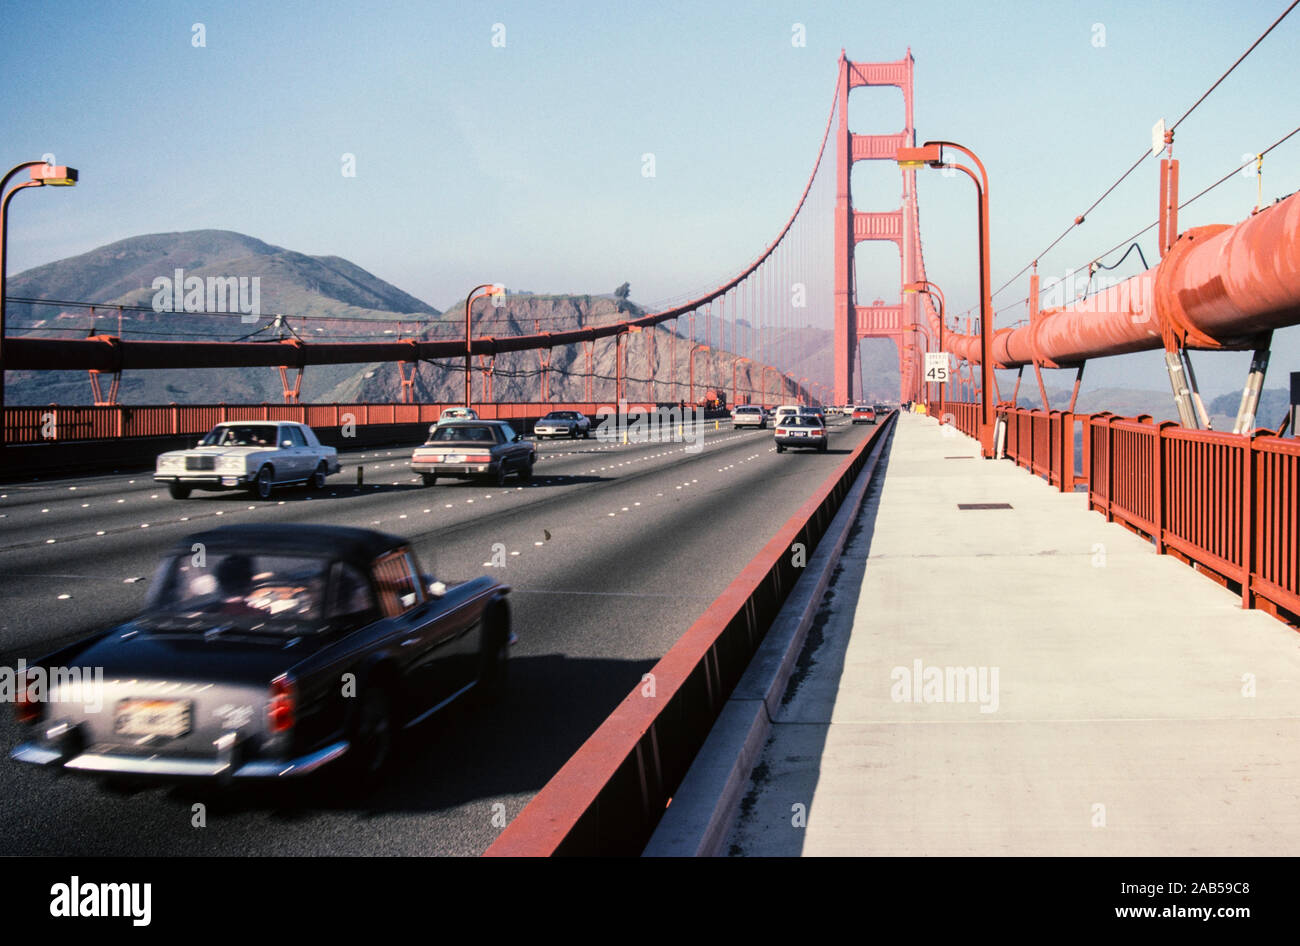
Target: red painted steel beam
x=1218, y=288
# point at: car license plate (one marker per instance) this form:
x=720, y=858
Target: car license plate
x=452, y=458
x=799, y=433
x=152, y=718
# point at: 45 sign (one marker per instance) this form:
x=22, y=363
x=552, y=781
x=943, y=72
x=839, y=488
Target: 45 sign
x=936, y=367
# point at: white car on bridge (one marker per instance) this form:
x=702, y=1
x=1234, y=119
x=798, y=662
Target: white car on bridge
x=251, y=455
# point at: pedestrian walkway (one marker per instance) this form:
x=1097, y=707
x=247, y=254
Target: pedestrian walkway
x=1027, y=680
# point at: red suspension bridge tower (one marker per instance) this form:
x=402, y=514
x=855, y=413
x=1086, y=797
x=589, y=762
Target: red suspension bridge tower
x=855, y=322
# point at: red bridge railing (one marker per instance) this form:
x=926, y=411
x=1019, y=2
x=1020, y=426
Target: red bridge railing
x=58, y=424
x=1227, y=503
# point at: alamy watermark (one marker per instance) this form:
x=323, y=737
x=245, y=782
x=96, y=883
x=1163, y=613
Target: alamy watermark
x=181, y=293
x=1097, y=292
x=682, y=424
x=84, y=685
x=922, y=684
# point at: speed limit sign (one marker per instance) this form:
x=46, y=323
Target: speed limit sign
x=936, y=367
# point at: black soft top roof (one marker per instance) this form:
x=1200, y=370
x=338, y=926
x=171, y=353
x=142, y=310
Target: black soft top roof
x=358, y=546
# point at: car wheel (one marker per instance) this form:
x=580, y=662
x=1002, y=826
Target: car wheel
x=780, y=449
x=317, y=480
x=178, y=491
x=495, y=657
x=586, y=433
x=371, y=749
x=821, y=448
x=261, y=488
x=429, y=479
x=573, y=434
x=526, y=471
x=500, y=478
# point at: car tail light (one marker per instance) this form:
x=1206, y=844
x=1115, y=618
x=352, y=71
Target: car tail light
x=280, y=711
x=781, y=431
x=26, y=710
x=478, y=458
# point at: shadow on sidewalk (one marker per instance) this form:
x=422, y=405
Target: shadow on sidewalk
x=822, y=656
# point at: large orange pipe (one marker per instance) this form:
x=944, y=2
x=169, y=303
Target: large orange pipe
x=1219, y=287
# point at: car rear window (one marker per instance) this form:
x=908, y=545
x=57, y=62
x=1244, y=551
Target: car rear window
x=458, y=434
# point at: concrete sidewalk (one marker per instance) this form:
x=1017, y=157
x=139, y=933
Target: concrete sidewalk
x=1119, y=703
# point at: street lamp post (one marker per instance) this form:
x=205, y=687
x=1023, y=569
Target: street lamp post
x=766, y=369
x=931, y=153
x=494, y=290
x=928, y=287
x=734, y=365
x=694, y=348
x=41, y=175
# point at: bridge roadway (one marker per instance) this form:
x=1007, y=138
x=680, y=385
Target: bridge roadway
x=1137, y=709
x=641, y=539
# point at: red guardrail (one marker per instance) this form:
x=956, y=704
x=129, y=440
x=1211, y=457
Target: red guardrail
x=608, y=798
x=59, y=424
x=1229, y=503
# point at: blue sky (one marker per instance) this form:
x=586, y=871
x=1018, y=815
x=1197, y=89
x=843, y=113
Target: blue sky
x=523, y=163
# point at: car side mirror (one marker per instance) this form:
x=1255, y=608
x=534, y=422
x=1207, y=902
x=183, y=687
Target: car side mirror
x=518, y=437
x=436, y=588
x=286, y=443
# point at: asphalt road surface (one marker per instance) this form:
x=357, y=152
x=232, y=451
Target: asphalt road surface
x=612, y=552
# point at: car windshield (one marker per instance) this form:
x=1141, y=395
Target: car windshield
x=462, y=434
x=560, y=415
x=240, y=435
x=275, y=594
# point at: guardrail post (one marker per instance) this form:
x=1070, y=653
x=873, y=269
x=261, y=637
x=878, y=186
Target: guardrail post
x=1110, y=469
x=1158, y=501
x=1067, y=452
x=1248, y=511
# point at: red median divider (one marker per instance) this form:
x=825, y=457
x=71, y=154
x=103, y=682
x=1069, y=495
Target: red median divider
x=608, y=798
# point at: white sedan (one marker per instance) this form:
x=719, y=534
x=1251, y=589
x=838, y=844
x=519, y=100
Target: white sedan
x=573, y=424
x=252, y=455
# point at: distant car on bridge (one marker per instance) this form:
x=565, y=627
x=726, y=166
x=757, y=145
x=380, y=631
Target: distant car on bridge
x=457, y=413
x=783, y=411
x=799, y=430
x=474, y=448
x=251, y=455
x=280, y=650
x=864, y=414
x=573, y=424
x=748, y=415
